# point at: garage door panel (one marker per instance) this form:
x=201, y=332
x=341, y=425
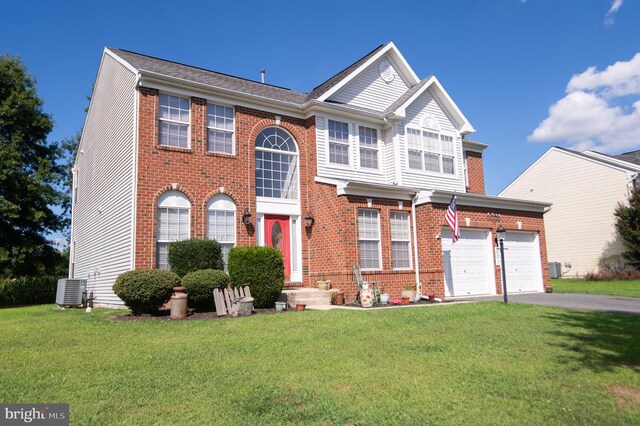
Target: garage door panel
x=467, y=263
x=522, y=260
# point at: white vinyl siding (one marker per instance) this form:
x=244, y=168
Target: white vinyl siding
x=221, y=224
x=411, y=150
x=172, y=225
x=174, y=121
x=220, y=129
x=102, y=215
x=370, y=91
x=400, y=240
x=580, y=225
x=369, y=239
x=368, y=141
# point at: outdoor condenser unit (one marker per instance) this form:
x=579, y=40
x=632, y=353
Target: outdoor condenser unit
x=70, y=292
x=555, y=269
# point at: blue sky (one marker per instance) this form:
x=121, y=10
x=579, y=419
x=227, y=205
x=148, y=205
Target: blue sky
x=504, y=62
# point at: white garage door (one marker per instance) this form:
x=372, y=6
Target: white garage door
x=522, y=259
x=468, y=265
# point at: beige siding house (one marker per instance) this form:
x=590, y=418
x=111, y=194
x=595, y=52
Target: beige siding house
x=585, y=188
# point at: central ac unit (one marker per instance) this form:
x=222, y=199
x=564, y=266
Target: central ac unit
x=70, y=292
x=555, y=270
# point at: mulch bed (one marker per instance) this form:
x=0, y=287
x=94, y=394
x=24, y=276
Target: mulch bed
x=164, y=316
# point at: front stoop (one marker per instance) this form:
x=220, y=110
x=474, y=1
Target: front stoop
x=312, y=297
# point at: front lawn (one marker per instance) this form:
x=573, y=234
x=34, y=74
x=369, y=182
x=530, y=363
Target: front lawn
x=612, y=288
x=479, y=363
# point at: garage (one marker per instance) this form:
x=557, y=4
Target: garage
x=522, y=259
x=468, y=264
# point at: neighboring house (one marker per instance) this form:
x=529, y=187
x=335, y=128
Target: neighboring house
x=585, y=189
x=372, y=155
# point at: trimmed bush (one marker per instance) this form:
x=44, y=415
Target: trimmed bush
x=194, y=255
x=260, y=267
x=28, y=291
x=200, y=285
x=144, y=291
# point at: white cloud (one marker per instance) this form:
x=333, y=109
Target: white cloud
x=587, y=118
x=608, y=18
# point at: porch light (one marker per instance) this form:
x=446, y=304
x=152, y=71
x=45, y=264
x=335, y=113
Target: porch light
x=246, y=217
x=309, y=221
x=500, y=231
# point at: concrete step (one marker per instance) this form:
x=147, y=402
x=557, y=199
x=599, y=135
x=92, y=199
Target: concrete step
x=312, y=297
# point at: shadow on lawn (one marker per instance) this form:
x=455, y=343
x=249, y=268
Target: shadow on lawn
x=599, y=341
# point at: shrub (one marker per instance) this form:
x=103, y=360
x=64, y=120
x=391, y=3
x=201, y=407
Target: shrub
x=200, y=285
x=260, y=267
x=28, y=291
x=193, y=255
x=144, y=291
x=627, y=274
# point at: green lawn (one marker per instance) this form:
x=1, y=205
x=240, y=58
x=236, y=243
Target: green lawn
x=480, y=363
x=612, y=288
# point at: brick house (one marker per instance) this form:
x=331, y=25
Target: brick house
x=359, y=170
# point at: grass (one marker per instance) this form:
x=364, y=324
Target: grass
x=480, y=363
x=629, y=288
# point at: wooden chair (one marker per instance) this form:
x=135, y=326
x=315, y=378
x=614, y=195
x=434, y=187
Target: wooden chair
x=361, y=283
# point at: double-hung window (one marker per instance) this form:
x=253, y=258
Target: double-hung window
x=173, y=224
x=368, y=139
x=219, y=129
x=369, y=238
x=221, y=224
x=338, y=142
x=430, y=151
x=400, y=240
x=174, y=121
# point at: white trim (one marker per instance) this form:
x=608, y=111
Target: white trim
x=415, y=239
x=473, y=146
x=179, y=123
x=480, y=200
x=134, y=201
x=402, y=212
x=379, y=240
x=233, y=131
x=121, y=61
x=395, y=54
x=616, y=161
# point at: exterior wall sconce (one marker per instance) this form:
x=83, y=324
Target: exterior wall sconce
x=309, y=221
x=246, y=217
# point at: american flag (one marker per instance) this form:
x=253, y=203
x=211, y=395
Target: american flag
x=451, y=216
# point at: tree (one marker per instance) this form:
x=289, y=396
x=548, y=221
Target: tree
x=30, y=175
x=628, y=225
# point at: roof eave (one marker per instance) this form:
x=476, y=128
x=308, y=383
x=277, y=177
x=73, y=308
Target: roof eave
x=480, y=200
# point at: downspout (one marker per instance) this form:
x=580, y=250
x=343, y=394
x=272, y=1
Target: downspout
x=134, y=189
x=415, y=242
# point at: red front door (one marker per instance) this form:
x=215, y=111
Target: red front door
x=276, y=234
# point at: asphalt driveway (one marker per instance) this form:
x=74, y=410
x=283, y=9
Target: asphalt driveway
x=578, y=302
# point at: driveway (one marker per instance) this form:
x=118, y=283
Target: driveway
x=578, y=302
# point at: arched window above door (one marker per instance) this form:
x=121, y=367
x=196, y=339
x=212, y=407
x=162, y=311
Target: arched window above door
x=276, y=164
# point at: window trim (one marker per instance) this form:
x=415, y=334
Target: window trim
x=160, y=120
x=423, y=149
x=223, y=203
x=296, y=160
x=376, y=149
x=379, y=240
x=218, y=129
x=408, y=240
x=330, y=163
x=180, y=202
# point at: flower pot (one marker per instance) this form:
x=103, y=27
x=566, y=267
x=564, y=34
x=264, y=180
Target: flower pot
x=300, y=307
x=384, y=298
x=408, y=294
x=338, y=298
x=366, y=298
x=281, y=306
x=405, y=301
x=324, y=285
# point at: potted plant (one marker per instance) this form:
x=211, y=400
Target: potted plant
x=337, y=297
x=324, y=284
x=384, y=297
x=407, y=293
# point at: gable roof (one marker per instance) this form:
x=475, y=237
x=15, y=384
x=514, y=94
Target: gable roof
x=630, y=157
x=592, y=156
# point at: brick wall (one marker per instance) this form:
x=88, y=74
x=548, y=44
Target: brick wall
x=475, y=172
